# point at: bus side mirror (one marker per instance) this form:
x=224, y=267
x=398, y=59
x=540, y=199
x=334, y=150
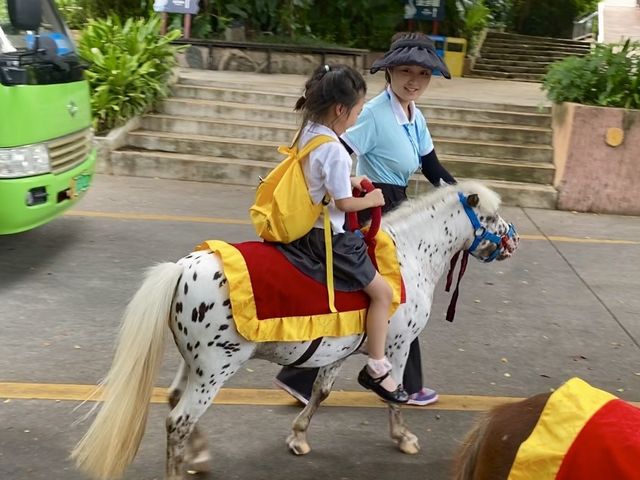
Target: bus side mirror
x=25, y=14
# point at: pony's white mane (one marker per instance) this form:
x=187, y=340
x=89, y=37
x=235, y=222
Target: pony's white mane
x=489, y=200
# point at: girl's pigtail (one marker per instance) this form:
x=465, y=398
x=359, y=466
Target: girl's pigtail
x=300, y=103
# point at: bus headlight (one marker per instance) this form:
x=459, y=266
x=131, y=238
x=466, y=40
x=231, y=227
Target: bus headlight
x=24, y=161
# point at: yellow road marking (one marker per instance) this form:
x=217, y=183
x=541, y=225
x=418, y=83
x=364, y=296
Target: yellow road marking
x=237, y=221
x=554, y=238
x=245, y=396
x=241, y=396
x=161, y=218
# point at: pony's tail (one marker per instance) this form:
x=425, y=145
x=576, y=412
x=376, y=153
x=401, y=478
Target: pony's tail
x=112, y=441
x=467, y=456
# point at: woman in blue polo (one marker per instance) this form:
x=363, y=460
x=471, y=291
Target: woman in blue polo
x=392, y=141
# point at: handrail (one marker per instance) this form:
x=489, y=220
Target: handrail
x=583, y=27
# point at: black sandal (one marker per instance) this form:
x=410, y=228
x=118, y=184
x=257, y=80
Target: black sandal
x=399, y=395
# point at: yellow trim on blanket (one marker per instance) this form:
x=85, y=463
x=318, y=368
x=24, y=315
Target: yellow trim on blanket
x=300, y=328
x=565, y=414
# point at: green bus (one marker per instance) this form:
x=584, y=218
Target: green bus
x=46, y=155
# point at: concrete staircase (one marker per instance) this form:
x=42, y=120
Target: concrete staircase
x=212, y=131
x=507, y=56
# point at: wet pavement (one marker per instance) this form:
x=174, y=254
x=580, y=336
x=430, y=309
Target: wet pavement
x=565, y=305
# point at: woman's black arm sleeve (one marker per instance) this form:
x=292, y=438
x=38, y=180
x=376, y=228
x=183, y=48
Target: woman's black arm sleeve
x=344, y=144
x=433, y=170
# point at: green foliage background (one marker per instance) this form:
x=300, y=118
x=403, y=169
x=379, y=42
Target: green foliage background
x=355, y=23
x=608, y=77
x=130, y=64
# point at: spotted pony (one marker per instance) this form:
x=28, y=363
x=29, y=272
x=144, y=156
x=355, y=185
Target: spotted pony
x=191, y=298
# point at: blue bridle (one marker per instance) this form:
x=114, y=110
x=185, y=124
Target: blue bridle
x=481, y=233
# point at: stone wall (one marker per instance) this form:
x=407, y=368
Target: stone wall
x=264, y=61
x=597, y=158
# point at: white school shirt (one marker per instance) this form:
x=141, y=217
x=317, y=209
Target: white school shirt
x=327, y=170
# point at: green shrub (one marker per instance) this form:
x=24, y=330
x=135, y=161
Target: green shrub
x=609, y=76
x=476, y=17
x=130, y=67
x=73, y=13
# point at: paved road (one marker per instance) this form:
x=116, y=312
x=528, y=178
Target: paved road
x=565, y=305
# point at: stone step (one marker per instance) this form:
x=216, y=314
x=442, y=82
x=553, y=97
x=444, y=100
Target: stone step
x=516, y=49
x=195, y=78
x=516, y=194
x=516, y=63
x=534, y=48
x=267, y=150
x=285, y=133
x=490, y=66
x=244, y=94
x=521, y=77
x=581, y=48
x=497, y=150
x=490, y=169
x=181, y=166
x=247, y=172
x=531, y=38
x=244, y=129
x=229, y=110
x=284, y=116
x=521, y=57
x=229, y=94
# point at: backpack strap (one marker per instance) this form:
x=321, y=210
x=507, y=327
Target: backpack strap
x=328, y=247
x=311, y=145
x=314, y=143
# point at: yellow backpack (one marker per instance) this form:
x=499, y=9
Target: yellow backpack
x=284, y=211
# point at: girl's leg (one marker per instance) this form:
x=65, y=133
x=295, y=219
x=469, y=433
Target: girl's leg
x=380, y=294
x=375, y=375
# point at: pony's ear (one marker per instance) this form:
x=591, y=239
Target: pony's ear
x=473, y=200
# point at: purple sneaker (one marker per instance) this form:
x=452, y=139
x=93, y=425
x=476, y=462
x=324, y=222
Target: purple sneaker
x=426, y=396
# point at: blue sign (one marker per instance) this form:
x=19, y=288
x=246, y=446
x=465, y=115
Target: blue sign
x=176, y=6
x=424, y=9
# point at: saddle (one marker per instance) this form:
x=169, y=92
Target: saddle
x=272, y=300
x=582, y=433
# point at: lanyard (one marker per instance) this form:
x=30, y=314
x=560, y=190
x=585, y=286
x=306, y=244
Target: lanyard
x=416, y=151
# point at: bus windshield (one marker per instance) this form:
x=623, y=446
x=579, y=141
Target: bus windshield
x=15, y=40
x=42, y=57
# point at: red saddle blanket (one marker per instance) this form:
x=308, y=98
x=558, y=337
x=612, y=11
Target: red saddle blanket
x=582, y=433
x=272, y=300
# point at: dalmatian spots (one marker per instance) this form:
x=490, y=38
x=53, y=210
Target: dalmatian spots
x=427, y=233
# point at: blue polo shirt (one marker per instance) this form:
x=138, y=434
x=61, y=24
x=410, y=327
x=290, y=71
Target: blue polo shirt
x=387, y=143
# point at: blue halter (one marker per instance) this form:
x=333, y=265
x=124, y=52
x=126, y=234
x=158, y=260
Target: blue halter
x=481, y=233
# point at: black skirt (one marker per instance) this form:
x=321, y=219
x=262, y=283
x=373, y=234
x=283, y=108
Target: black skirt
x=352, y=267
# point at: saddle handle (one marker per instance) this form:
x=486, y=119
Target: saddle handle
x=376, y=215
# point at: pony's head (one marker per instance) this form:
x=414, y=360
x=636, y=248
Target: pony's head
x=493, y=237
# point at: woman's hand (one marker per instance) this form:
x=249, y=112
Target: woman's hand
x=356, y=182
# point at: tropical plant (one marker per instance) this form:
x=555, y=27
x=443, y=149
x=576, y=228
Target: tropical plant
x=130, y=67
x=73, y=13
x=356, y=23
x=548, y=17
x=609, y=76
x=475, y=17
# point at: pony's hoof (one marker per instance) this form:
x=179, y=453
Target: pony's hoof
x=201, y=463
x=297, y=446
x=409, y=445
